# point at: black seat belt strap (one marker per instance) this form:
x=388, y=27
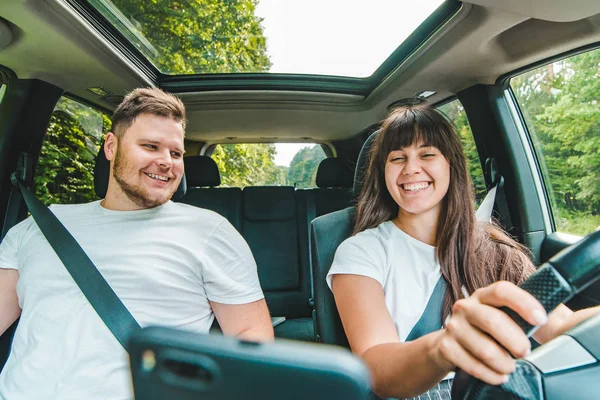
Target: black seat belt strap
x=311, y=213
x=85, y=274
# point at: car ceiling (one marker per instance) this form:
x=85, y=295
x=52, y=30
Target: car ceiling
x=484, y=41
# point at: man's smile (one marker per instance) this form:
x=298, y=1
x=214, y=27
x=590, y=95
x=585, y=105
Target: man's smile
x=158, y=177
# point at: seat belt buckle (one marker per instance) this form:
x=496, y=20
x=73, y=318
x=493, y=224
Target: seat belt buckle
x=23, y=172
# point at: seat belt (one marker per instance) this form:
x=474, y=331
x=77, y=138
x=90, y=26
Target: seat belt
x=495, y=182
x=85, y=274
x=485, y=210
x=431, y=319
x=311, y=213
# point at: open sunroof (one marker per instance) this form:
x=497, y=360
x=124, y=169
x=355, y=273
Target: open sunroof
x=356, y=41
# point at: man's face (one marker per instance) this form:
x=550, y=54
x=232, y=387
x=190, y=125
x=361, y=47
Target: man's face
x=148, y=163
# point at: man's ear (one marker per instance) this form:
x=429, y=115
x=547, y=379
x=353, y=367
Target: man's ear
x=110, y=146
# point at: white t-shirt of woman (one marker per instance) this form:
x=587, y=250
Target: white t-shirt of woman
x=405, y=267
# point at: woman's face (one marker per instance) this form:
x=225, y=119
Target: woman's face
x=417, y=178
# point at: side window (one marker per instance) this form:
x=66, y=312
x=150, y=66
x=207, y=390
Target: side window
x=270, y=164
x=456, y=114
x=64, y=173
x=560, y=106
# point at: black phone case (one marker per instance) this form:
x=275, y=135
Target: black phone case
x=171, y=364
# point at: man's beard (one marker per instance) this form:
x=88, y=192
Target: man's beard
x=136, y=194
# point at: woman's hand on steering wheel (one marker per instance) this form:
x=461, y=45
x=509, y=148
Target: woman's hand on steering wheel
x=482, y=340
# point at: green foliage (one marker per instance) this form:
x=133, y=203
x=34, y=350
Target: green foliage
x=66, y=164
x=197, y=36
x=303, y=168
x=560, y=105
x=456, y=113
x=576, y=222
x=244, y=165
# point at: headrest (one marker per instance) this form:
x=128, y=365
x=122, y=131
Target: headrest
x=102, y=173
x=334, y=173
x=362, y=164
x=201, y=171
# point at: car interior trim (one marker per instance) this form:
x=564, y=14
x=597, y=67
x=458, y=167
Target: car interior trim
x=531, y=160
x=559, y=355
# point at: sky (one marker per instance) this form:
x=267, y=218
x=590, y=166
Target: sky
x=335, y=37
x=287, y=151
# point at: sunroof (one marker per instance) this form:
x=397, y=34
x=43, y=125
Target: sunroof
x=317, y=37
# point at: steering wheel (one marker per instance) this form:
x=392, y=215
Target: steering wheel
x=568, y=366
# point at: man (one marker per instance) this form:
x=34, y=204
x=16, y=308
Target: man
x=170, y=264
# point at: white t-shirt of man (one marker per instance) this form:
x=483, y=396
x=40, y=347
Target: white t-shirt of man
x=164, y=263
x=405, y=267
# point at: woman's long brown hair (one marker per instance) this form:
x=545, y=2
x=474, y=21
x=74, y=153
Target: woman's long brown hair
x=471, y=254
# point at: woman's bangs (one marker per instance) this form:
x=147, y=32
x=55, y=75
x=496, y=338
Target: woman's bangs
x=414, y=129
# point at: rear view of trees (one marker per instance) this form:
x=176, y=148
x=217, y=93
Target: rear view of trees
x=243, y=165
x=254, y=165
x=303, y=168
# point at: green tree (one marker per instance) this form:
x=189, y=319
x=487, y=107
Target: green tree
x=197, y=36
x=572, y=123
x=244, y=165
x=66, y=165
x=303, y=168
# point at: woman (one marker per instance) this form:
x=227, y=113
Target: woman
x=416, y=226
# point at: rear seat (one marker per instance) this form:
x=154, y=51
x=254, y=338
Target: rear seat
x=274, y=227
x=275, y=222
x=202, y=175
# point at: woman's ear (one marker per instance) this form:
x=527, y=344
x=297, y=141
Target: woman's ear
x=110, y=146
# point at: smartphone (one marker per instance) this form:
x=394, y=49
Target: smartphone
x=172, y=364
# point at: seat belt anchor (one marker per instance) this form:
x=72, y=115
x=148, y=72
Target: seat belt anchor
x=492, y=174
x=22, y=175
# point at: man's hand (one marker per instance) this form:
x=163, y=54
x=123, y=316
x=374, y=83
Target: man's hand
x=9, y=304
x=250, y=321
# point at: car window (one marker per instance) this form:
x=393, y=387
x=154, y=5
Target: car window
x=456, y=114
x=560, y=106
x=268, y=164
x=64, y=173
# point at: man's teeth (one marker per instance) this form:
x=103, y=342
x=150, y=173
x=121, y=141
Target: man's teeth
x=159, y=177
x=413, y=187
